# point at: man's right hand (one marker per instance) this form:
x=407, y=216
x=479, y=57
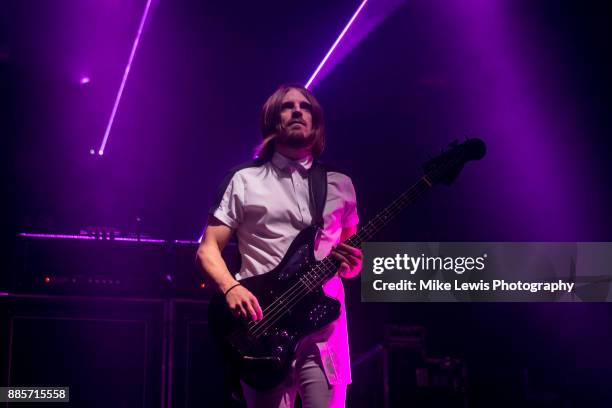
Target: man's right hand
x=243, y=303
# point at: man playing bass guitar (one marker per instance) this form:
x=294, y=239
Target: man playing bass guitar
x=266, y=203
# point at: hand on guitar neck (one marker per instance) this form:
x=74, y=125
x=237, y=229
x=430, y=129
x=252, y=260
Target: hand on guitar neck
x=351, y=259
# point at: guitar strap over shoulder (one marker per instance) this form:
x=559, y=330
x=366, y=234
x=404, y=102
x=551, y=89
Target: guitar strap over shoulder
x=317, y=187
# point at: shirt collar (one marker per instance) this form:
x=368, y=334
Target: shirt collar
x=283, y=162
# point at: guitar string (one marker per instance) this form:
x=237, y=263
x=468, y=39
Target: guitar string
x=279, y=314
x=297, y=292
x=368, y=231
x=295, y=296
x=383, y=218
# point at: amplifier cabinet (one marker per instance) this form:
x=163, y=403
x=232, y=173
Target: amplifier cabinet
x=109, y=351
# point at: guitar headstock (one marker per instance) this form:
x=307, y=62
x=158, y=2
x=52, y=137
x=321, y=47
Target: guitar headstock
x=447, y=166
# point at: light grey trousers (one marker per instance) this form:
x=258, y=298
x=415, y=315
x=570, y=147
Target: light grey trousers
x=306, y=378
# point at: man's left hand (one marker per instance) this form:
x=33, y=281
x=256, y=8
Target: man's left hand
x=350, y=258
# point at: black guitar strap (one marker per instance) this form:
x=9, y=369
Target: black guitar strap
x=317, y=184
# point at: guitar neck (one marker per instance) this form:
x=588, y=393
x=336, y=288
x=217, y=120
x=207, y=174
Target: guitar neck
x=389, y=213
x=442, y=169
x=328, y=267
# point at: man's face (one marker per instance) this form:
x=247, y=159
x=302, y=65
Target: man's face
x=296, y=120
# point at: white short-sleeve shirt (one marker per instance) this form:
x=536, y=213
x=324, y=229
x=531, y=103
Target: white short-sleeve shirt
x=267, y=206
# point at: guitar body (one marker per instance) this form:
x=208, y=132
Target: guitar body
x=261, y=353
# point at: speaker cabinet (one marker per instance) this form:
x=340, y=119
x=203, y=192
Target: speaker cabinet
x=198, y=375
x=110, y=352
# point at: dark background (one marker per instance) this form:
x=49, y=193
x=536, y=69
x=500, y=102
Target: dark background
x=529, y=77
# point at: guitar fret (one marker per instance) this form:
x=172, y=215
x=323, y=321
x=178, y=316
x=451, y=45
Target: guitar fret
x=306, y=282
x=311, y=282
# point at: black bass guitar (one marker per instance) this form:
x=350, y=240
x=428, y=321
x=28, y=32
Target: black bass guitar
x=291, y=295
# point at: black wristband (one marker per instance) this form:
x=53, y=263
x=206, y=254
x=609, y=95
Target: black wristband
x=232, y=287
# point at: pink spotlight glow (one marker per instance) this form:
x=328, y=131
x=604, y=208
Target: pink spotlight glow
x=333, y=47
x=85, y=80
x=125, y=76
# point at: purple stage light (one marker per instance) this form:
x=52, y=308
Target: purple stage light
x=149, y=240
x=186, y=242
x=333, y=47
x=56, y=236
x=85, y=80
x=90, y=238
x=125, y=76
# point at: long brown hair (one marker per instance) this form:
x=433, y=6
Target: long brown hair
x=271, y=122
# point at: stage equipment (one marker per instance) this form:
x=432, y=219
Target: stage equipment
x=111, y=351
x=108, y=351
x=407, y=375
x=105, y=263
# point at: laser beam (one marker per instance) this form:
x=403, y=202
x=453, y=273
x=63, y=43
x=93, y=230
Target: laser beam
x=124, y=79
x=333, y=47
